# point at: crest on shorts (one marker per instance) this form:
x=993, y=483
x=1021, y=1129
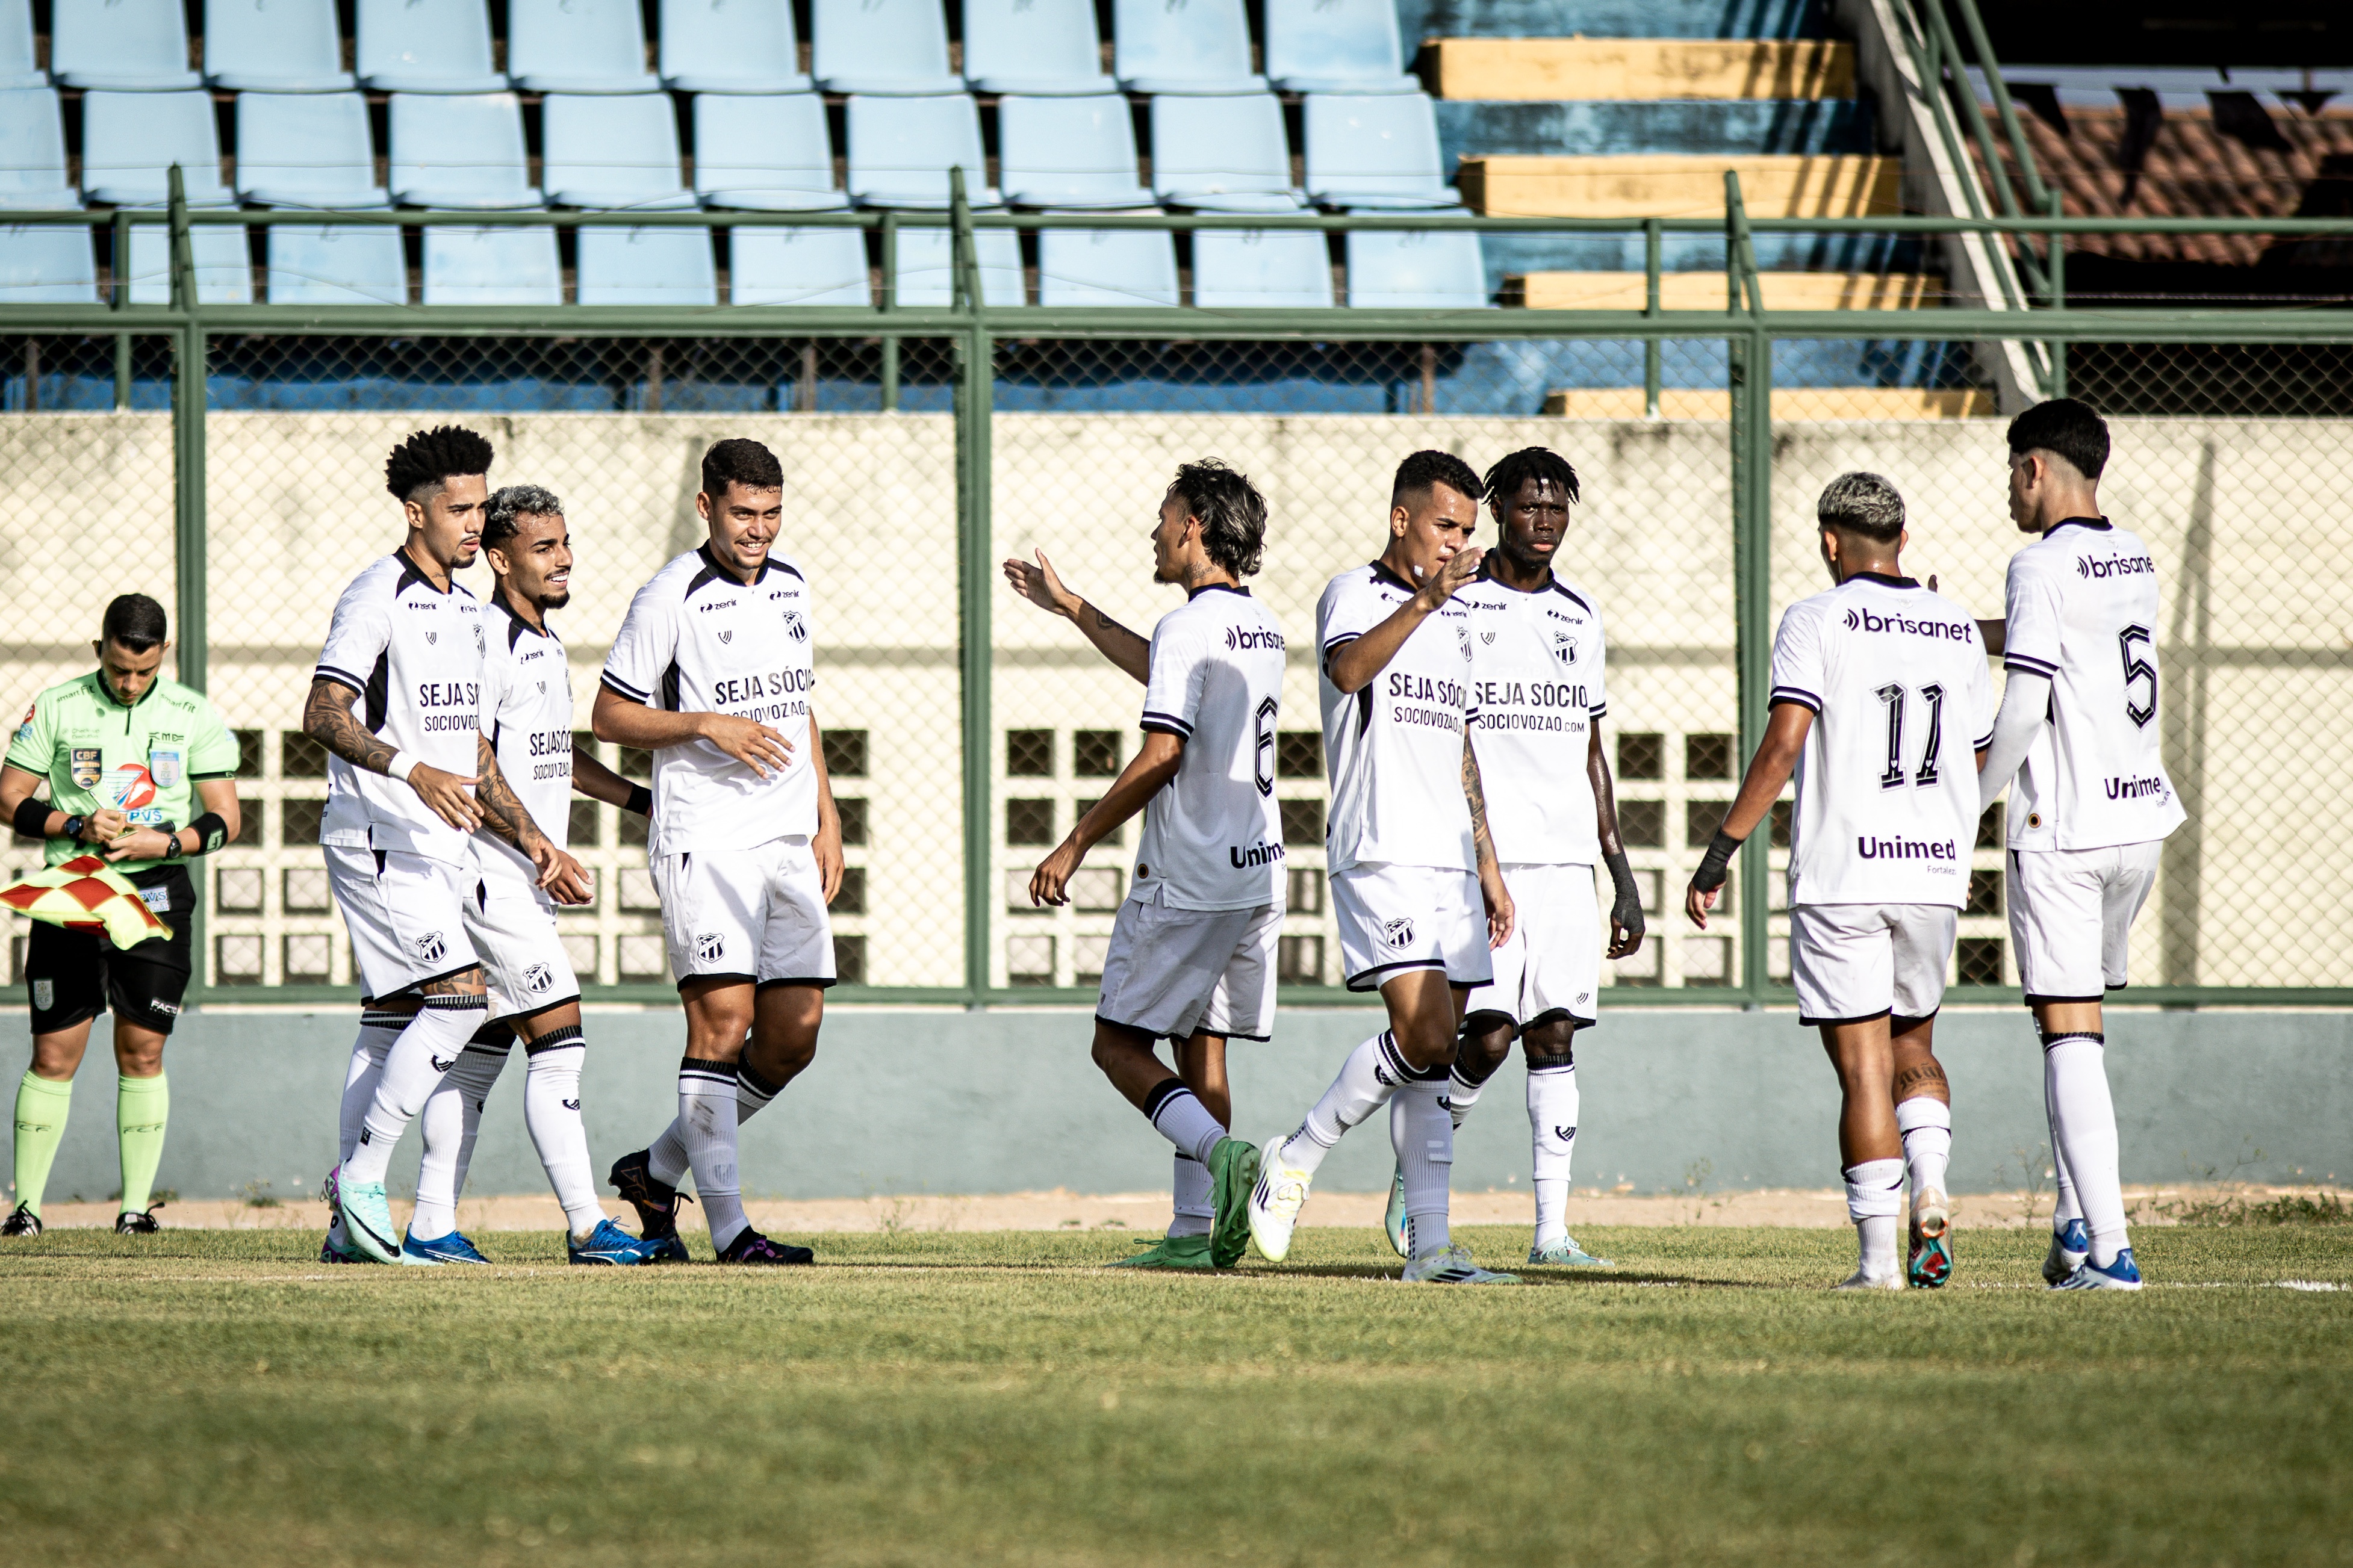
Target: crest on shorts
x=45, y=994
x=710, y=946
x=86, y=763
x=537, y=979
x=165, y=767
x=1397, y=932
x=428, y=948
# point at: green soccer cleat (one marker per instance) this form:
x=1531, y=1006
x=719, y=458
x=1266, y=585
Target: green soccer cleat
x=1566, y=1254
x=1394, y=1223
x=1191, y=1252
x=367, y=1220
x=1233, y=1171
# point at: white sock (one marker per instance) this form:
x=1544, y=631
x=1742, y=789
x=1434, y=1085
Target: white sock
x=449, y=1122
x=707, y=1122
x=429, y=1047
x=2083, y=1120
x=1926, y=1124
x=666, y=1156
x=377, y=1031
x=1461, y=1093
x=2064, y=1205
x=1873, y=1197
x=1370, y=1075
x=1422, y=1134
x=1552, y=1136
x=551, y=1110
x=1178, y=1114
x=1194, y=1205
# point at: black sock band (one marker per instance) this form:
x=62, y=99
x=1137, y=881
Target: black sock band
x=1160, y=1094
x=567, y=1035
x=708, y=1072
x=752, y=1080
x=493, y=1036
x=1547, y=1061
x=1472, y=1070
x=2093, y=1036
x=459, y=1003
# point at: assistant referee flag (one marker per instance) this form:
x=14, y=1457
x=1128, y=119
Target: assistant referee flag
x=87, y=894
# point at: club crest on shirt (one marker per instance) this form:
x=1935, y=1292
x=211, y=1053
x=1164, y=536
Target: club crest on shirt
x=165, y=768
x=433, y=637
x=428, y=948
x=727, y=634
x=537, y=979
x=86, y=763
x=1487, y=638
x=1397, y=932
x=1563, y=648
x=795, y=627
x=1462, y=637
x=710, y=946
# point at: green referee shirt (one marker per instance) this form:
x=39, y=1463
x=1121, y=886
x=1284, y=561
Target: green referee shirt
x=144, y=760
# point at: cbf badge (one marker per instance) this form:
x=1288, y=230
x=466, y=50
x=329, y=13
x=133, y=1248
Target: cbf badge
x=87, y=762
x=163, y=767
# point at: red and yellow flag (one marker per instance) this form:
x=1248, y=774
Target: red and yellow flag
x=87, y=894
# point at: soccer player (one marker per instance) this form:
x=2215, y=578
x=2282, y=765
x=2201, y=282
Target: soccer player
x=1537, y=656
x=128, y=754
x=1881, y=702
x=1415, y=883
x=712, y=673
x=1192, y=951
x=407, y=785
x=2092, y=807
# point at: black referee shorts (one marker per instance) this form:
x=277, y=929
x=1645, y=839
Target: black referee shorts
x=74, y=976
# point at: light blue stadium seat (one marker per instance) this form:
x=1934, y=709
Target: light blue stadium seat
x=731, y=46
x=924, y=278
x=647, y=267
x=274, y=46
x=1222, y=154
x=898, y=47
x=1334, y=46
x=224, y=264
x=1070, y=153
x=798, y=267
x=130, y=140
x=33, y=150
x=1375, y=154
x=900, y=150
x=1416, y=271
x=767, y=153
x=619, y=152
x=460, y=151
x=1252, y=269
x=306, y=150
x=121, y=46
x=1039, y=47
x=1183, y=45
x=16, y=56
x=577, y=46
x=1107, y=267
x=336, y=264
x=426, y=46
x=40, y=265
x=469, y=266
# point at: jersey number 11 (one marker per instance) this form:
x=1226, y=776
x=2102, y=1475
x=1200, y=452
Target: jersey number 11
x=1893, y=697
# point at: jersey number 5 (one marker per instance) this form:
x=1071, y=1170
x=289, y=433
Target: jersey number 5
x=1893, y=697
x=2138, y=668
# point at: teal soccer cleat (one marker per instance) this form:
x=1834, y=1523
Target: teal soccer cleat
x=609, y=1244
x=1394, y=1223
x=367, y=1220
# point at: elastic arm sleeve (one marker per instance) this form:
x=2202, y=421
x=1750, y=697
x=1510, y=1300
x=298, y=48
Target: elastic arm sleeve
x=2025, y=708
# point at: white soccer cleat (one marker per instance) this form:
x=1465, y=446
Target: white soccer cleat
x=1452, y=1264
x=1859, y=1280
x=1275, y=1202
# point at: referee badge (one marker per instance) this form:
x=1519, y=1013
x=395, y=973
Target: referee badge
x=163, y=767
x=87, y=765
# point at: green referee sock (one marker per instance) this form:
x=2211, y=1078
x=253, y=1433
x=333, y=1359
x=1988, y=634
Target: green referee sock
x=141, y=1106
x=41, y=1107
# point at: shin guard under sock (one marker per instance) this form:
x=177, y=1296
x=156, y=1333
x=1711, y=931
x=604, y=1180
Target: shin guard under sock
x=41, y=1107
x=143, y=1106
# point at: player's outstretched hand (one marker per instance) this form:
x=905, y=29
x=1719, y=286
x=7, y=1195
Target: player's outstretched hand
x=747, y=741
x=446, y=794
x=1696, y=903
x=1040, y=586
x=1454, y=572
x=1050, y=884
x=566, y=880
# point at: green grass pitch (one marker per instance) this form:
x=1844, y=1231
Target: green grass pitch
x=216, y=1398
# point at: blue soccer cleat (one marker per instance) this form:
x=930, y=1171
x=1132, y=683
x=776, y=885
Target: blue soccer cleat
x=2071, y=1244
x=609, y=1244
x=367, y=1220
x=2123, y=1274
x=450, y=1248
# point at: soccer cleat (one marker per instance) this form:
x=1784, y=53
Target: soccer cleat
x=1929, y=1262
x=1233, y=1169
x=330, y=1253
x=2123, y=1274
x=632, y=1176
x=1452, y=1264
x=1859, y=1280
x=24, y=1221
x=1394, y=1223
x=752, y=1248
x=1190, y=1252
x=668, y=1250
x=1566, y=1254
x=2071, y=1244
x=609, y=1244
x=135, y=1222
x=450, y=1248
x=367, y=1219
x=1275, y=1202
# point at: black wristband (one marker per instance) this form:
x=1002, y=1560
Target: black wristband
x=33, y=817
x=212, y=832
x=1627, y=908
x=1712, y=866
x=641, y=801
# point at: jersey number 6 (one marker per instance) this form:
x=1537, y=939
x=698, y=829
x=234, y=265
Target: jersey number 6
x=2138, y=668
x=1894, y=696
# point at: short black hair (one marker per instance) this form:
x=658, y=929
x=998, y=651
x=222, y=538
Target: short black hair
x=740, y=462
x=2067, y=428
x=1863, y=504
x=1232, y=512
x=134, y=622
x=1541, y=464
x=430, y=458
x=1422, y=470
x=510, y=502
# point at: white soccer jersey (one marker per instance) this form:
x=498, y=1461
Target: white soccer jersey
x=1537, y=658
x=1394, y=749
x=414, y=653
x=698, y=639
x=527, y=712
x=2081, y=604
x=1887, y=783
x=1213, y=836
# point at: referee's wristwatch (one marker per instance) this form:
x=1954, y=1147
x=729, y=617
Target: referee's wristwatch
x=171, y=846
x=74, y=825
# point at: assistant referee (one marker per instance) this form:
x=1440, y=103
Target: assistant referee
x=128, y=755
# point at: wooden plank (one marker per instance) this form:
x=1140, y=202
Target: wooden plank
x=1810, y=403
x=1548, y=69
x=1706, y=290
x=1662, y=185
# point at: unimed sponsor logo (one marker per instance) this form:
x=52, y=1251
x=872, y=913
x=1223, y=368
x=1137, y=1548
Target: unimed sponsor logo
x=1871, y=848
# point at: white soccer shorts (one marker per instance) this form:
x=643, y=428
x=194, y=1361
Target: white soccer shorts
x=756, y=914
x=1178, y=972
x=1395, y=918
x=406, y=913
x=2071, y=915
x=1549, y=968
x=514, y=929
x=1854, y=961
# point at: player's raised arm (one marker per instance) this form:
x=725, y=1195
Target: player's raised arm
x=1352, y=664
x=1041, y=585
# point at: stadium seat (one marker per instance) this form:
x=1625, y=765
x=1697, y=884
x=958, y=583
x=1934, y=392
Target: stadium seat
x=731, y=46
x=1183, y=45
x=924, y=278
x=768, y=154
x=469, y=265
x=1039, y=48
x=426, y=46
x=224, y=264
x=1416, y=271
x=577, y=46
x=1334, y=46
x=1071, y=153
x=460, y=151
x=647, y=267
x=130, y=140
x=306, y=150
x=33, y=150
x=900, y=150
x=798, y=267
x=274, y=46
x=16, y=56
x=619, y=152
x=1375, y=152
x=332, y=264
x=1250, y=268
x=895, y=46
x=1107, y=267
x=121, y=46
x=1222, y=154
x=46, y=265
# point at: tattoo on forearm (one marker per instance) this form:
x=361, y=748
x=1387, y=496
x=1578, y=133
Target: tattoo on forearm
x=1477, y=795
x=502, y=813
x=1919, y=1079
x=327, y=719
